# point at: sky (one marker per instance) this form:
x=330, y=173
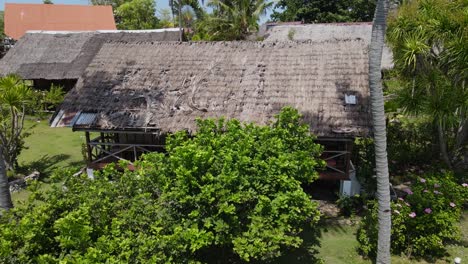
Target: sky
x=160, y=4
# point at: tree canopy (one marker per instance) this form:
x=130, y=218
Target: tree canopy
x=15, y=96
x=230, y=193
x=136, y=14
x=132, y=14
x=431, y=59
x=232, y=20
x=324, y=11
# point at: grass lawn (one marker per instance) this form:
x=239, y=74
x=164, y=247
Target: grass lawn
x=338, y=246
x=47, y=149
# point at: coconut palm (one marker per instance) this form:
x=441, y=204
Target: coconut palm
x=177, y=9
x=234, y=20
x=380, y=135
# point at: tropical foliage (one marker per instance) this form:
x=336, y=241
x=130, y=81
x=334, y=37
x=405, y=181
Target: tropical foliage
x=423, y=222
x=324, y=11
x=429, y=45
x=192, y=5
x=231, y=20
x=15, y=96
x=231, y=193
x=136, y=14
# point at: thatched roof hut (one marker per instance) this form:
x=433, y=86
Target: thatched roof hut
x=273, y=32
x=63, y=55
x=164, y=86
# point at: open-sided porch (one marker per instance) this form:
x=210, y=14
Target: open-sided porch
x=108, y=147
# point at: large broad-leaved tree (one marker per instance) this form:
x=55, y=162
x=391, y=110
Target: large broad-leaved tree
x=136, y=14
x=132, y=14
x=380, y=136
x=231, y=193
x=324, y=11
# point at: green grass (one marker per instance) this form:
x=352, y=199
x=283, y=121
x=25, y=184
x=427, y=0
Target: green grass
x=338, y=246
x=46, y=150
x=50, y=148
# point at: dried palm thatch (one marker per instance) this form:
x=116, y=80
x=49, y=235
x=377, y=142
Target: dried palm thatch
x=326, y=32
x=55, y=55
x=165, y=86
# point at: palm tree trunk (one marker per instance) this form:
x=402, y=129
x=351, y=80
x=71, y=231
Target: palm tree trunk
x=380, y=135
x=5, y=197
x=181, y=34
x=443, y=144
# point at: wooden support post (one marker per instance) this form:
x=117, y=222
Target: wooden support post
x=88, y=147
x=103, y=139
x=349, y=149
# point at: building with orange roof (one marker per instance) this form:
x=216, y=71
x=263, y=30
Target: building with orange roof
x=20, y=18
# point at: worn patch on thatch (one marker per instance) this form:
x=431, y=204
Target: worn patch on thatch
x=165, y=86
x=65, y=55
x=327, y=32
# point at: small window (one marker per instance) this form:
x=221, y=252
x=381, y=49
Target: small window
x=350, y=99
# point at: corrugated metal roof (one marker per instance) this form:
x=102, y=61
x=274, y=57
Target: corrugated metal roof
x=84, y=119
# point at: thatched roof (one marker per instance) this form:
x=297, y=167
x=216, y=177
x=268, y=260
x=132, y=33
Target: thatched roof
x=325, y=32
x=165, y=86
x=55, y=55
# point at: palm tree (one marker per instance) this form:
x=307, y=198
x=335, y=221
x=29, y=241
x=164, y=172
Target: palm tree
x=176, y=8
x=235, y=20
x=380, y=135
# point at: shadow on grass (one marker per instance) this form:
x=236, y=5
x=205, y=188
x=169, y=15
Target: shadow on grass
x=46, y=164
x=308, y=252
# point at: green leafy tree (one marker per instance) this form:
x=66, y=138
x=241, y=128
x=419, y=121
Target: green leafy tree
x=232, y=20
x=15, y=96
x=165, y=19
x=53, y=97
x=229, y=194
x=379, y=27
x=324, y=11
x=431, y=57
x=2, y=25
x=113, y=3
x=136, y=14
x=48, y=2
x=177, y=5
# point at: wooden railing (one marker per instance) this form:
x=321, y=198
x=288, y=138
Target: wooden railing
x=102, y=150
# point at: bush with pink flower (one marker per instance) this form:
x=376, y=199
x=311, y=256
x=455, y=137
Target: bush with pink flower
x=423, y=221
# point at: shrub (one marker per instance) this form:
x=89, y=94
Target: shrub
x=423, y=222
x=231, y=193
x=351, y=205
